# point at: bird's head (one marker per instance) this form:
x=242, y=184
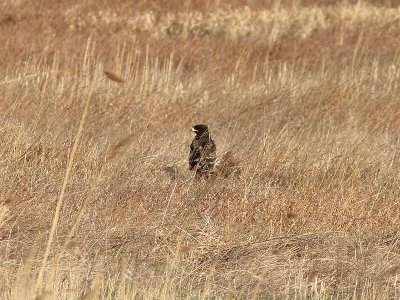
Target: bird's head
x=199, y=129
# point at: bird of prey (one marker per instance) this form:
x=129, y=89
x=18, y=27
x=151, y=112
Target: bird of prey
x=202, y=151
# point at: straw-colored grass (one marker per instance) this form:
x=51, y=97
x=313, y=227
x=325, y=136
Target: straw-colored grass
x=303, y=103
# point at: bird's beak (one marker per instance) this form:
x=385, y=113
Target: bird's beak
x=193, y=130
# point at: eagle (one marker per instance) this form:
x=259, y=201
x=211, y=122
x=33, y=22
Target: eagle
x=202, y=151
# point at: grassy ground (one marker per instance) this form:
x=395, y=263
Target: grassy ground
x=96, y=100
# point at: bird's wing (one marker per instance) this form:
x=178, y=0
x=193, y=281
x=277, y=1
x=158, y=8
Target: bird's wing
x=194, y=154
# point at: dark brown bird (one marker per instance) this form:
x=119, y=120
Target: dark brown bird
x=202, y=151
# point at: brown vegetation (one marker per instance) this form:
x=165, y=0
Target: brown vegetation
x=96, y=101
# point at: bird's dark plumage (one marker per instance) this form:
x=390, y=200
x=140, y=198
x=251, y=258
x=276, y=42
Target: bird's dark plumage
x=202, y=151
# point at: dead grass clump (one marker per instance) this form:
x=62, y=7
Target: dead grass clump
x=229, y=166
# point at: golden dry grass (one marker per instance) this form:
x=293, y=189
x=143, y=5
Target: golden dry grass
x=303, y=101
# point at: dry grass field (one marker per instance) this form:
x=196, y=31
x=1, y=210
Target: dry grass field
x=96, y=102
